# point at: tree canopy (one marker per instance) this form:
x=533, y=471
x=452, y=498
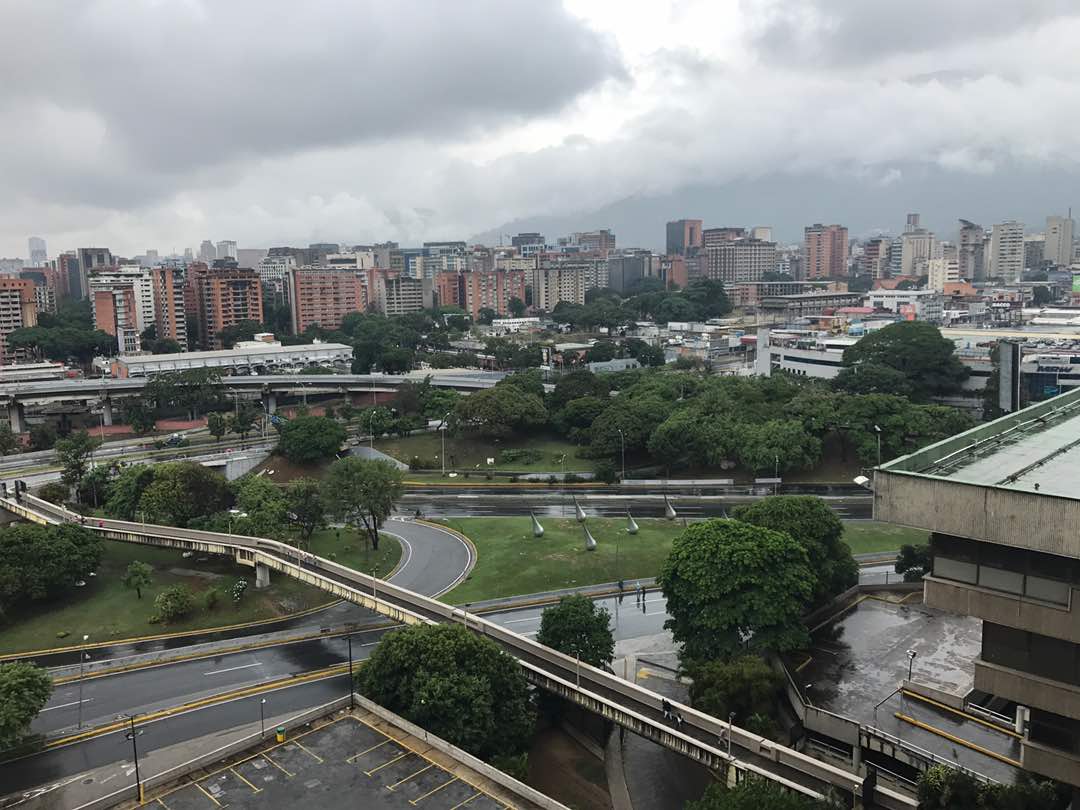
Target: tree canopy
x=917, y=350
x=579, y=627
x=501, y=410
x=756, y=794
x=41, y=562
x=24, y=691
x=732, y=587
x=180, y=492
x=362, y=493
x=745, y=686
x=457, y=685
x=307, y=439
x=816, y=527
x=945, y=788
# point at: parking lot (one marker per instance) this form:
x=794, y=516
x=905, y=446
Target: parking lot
x=346, y=763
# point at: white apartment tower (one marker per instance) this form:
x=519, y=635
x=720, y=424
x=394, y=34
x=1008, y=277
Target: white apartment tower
x=1059, y=241
x=1006, y=260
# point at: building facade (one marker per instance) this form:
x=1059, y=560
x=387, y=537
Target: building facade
x=969, y=246
x=129, y=276
x=492, y=290
x=683, y=237
x=220, y=297
x=397, y=294
x=1006, y=251
x=735, y=260
x=825, y=250
x=170, y=315
x=1058, y=248
x=323, y=296
x=17, y=310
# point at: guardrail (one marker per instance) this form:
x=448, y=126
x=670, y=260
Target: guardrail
x=632, y=706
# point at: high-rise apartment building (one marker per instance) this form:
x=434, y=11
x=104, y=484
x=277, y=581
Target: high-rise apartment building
x=207, y=252
x=17, y=310
x=397, y=294
x=226, y=249
x=825, y=250
x=555, y=282
x=274, y=273
x=447, y=289
x=600, y=241
x=735, y=260
x=874, y=261
x=138, y=279
x=941, y=271
x=491, y=289
x=116, y=313
x=37, y=252
x=626, y=271
x=88, y=260
x=969, y=246
x=1006, y=259
x=711, y=237
x=323, y=296
x=220, y=297
x=170, y=315
x=917, y=248
x=1058, y=248
x=1034, y=250
x=683, y=237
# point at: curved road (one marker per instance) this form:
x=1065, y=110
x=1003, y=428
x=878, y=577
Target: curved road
x=433, y=561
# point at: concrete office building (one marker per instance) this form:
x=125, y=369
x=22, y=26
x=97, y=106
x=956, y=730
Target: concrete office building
x=917, y=248
x=274, y=273
x=1034, y=250
x=88, y=260
x=1001, y=504
x=247, y=357
x=220, y=297
x=396, y=294
x=825, y=250
x=942, y=271
x=250, y=257
x=207, y=251
x=116, y=313
x=625, y=272
x=874, y=261
x=1058, y=247
x=323, y=296
x=736, y=260
x=170, y=316
x=17, y=310
x=969, y=246
x=711, y=237
x=226, y=249
x=37, y=252
x=1006, y=260
x=135, y=277
x=601, y=241
x=683, y=237
x=912, y=305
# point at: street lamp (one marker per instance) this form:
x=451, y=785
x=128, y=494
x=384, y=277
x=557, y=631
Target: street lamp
x=776, y=474
x=877, y=430
x=371, y=428
x=730, y=720
x=442, y=432
x=622, y=447
x=262, y=719
x=910, y=661
x=82, y=659
x=350, y=674
x=132, y=734
x=235, y=513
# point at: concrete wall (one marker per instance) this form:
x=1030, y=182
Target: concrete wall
x=1010, y=610
x=1027, y=689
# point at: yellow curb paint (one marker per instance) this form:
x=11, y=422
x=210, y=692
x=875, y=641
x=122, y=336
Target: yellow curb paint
x=958, y=740
x=965, y=715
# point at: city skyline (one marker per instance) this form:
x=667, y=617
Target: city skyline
x=604, y=108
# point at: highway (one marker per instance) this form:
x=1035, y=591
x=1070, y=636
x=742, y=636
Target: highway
x=632, y=706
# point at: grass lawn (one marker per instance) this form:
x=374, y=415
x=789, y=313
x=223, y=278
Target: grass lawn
x=511, y=561
x=467, y=451
x=106, y=610
x=866, y=536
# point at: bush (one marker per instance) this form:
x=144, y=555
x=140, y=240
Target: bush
x=54, y=492
x=174, y=603
x=525, y=455
x=606, y=473
x=211, y=598
x=417, y=463
x=238, y=589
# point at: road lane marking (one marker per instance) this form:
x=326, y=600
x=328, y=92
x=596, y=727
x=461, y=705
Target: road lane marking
x=65, y=705
x=519, y=621
x=419, y=799
x=233, y=669
x=411, y=776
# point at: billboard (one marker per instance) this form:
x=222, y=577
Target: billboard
x=1076, y=283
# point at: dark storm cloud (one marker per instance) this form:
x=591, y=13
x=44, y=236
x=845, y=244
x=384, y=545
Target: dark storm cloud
x=847, y=32
x=168, y=89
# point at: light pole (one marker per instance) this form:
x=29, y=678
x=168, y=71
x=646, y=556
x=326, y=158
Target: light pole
x=235, y=513
x=371, y=428
x=622, y=447
x=776, y=474
x=262, y=719
x=132, y=734
x=82, y=659
x=350, y=674
x=730, y=720
x=877, y=430
x=442, y=432
x=910, y=661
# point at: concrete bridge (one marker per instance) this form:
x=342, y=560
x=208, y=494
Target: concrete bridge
x=361, y=388
x=700, y=737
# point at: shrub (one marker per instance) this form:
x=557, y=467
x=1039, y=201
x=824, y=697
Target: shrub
x=526, y=455
x=238, y=589
x=606, y=473
x=211, y=598
x=174, y=603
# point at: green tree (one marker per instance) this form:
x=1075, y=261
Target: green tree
x=913, y=562
x=183, y=491
x=945, y=788
x=138, y=575
x=756, y=794
x=486, y=316
x=872, y=378
x=242, y=422
x=141, y=415
x=305, y=508
x=175, y=602
x=1041, y=296
x=778, y=445
x=9, y=442
x=41, y=562
x=732, y=587
x=196, y=390
x=635, y=414
x=709, y=295
x=217, y=424
x=42, y=436
x=73, y=454
x=95, y=485
x=577, y=416
x=516, y=306
x=265, y=505
x=55, y=492
x=577, y=384
x=745, y=686
x=817, y=529
x=578, y=627
x=242, y=330
x=307, y=439
x=501, y=410
x=362, y=493
x=24, y=691
x=126, y=489
x=396, y=360
x=457, y=685
x=917, y=350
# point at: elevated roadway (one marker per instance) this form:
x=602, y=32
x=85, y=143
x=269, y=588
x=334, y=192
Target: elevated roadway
x=699, y=737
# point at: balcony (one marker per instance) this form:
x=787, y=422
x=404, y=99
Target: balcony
x=1027, y=689
x=1001, y=607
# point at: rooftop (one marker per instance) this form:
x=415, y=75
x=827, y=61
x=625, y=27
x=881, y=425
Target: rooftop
x=266, y=349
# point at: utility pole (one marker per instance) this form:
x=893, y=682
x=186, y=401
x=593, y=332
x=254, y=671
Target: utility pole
x=622, y=446
x=82, y=659
x=132, y=735
x=351, y=686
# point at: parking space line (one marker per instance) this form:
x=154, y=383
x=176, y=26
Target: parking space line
x=462, y=804
x=245, y=781
x=207, y=793
x=305, y=748
x=412, y=776
x=159, y=801
x=391, y=762
x=264, y=756
x=418, y=799
x=355, y=757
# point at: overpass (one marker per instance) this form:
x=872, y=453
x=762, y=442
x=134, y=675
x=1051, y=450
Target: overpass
x=14, y=397
x=700, y=737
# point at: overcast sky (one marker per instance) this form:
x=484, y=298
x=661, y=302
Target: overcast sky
x=141, y=124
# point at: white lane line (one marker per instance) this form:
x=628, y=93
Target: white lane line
x=65, y=705
x=408, y=553
x=519, y=621
x=233, y=669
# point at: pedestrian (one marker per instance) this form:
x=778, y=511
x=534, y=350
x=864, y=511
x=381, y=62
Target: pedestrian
x=666, y=708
